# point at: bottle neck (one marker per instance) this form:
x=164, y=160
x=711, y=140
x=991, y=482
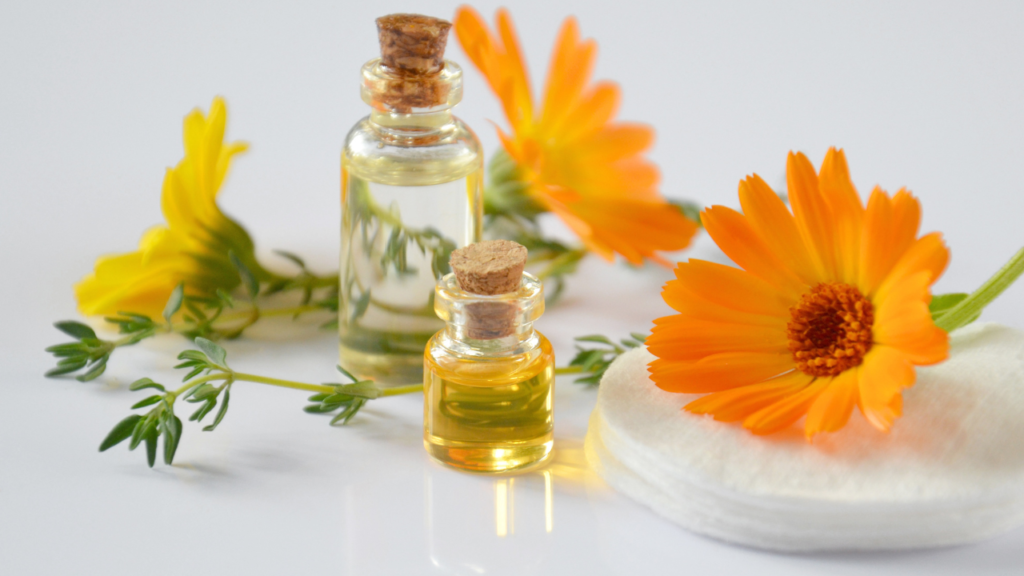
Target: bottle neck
x=413, y=125
x=458, y=338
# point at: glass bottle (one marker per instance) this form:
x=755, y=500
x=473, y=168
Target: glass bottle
x=411, y=194
x=488, y=402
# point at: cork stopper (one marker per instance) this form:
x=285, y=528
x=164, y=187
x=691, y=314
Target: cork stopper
x=413, y=43
x=491, y=268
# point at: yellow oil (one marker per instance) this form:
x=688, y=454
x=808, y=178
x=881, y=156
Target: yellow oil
x=490, y=414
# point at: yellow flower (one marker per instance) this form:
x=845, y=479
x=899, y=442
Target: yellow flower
x=576, y=160
x=828, y=310
x=192, y=248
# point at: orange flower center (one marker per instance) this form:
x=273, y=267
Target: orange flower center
x=831, y=329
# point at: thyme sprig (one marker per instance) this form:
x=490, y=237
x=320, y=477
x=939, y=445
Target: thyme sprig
x=209, y=383
x=593, y=362
x=216, y=317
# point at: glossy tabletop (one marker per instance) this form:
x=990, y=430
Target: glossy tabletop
x=923, y=95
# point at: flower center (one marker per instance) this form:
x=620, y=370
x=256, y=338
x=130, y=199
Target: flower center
x=830, y=329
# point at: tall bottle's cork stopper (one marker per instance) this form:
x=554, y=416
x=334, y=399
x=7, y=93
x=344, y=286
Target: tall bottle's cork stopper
x=412, y=43
x=491, y=268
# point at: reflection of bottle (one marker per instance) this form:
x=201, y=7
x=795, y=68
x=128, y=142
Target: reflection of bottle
x=489, y=382
x=411, y=193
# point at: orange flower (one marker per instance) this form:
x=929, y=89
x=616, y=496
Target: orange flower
x=829, y=310
x=576, y=162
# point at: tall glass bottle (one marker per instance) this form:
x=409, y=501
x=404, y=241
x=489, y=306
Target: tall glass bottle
x=411, y=179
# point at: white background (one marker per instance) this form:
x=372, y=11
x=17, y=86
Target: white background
x=924, y=95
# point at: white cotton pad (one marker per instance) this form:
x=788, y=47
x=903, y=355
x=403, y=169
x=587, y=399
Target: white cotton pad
x=951, y=471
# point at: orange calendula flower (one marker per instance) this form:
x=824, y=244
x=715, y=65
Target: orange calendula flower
x=575, y=160
x=828, y=310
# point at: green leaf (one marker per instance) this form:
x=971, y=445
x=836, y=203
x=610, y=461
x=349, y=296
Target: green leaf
x=220, y=413
x=96, y=370
x=595, y=338
x=148, y=401
x=143, y=383
x=67, y=366
x=252, y=286
x=942, y=302
x=360, y=305
x=75, y=329
x=151, y=439
x=214, y=352
x=641, y=338
x=203, y=410
x=345, y=415
x=172, y=435
x=689, y=209
x=142, y=430
x=347, y=373
x=202, y=392
x=121, y=432
x=298, y=261
x=174, y=302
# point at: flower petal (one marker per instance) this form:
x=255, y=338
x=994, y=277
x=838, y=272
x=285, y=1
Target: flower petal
x=740, y=403
x=679, y=338
x=775, y=225
x=903, y=321
x=729, y=287
x=885, y=372
x=841, y=196
x=786, y=411
x=718, y=371
x=740, y=242
x=832, y=409
x=813, y=215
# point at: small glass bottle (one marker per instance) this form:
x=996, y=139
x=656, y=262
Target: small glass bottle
x=411, y=194
x=489, y=380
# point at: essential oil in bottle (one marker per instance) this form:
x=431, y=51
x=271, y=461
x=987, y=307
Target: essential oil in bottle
x=411, y=194
x=488, y=375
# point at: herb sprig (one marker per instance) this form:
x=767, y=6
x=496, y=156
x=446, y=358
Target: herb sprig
x=593, y=362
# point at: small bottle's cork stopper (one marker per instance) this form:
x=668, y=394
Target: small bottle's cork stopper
x=491, y=267
x=413, y=43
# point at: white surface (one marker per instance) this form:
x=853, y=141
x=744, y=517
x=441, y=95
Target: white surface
x=91, y=99
x=951, y=472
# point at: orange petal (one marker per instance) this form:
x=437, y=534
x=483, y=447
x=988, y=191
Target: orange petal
x=615, y=142
x=927, y=254
x=832, y=409
x=679, y=338
x=570, y=69
x=729, y=287
x=691, y=305
x=771, y=219
x=903, y=321
x=718, y=371
x=784, y=412
x=885, y=372
x=814, y=218
x=740, y=403
x=841, y=196
x=876, y=253
x=595, y=109
x=740, y=242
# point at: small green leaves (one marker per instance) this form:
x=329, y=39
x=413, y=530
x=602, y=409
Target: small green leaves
x=148, y=401
x=220, y=413
x=592, y=363
x=350, y=398
x=360, y=305
x=121, y=432
x=75, y=329
x=174, y=302
x=252, y=286
x=214, y=352
x=143, y=383
x=172, y=435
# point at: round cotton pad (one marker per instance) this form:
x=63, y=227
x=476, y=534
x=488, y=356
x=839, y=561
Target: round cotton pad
x=951, y=470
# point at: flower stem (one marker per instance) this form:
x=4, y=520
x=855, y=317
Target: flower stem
x=284, y=383
x=411, y=389
x=568, y=370
x=970, y=307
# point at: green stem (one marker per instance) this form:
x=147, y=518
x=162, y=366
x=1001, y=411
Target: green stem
x=284, y=383
x=568, y=370
x=575, y=254
x=970, y=307
x=411, y=389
